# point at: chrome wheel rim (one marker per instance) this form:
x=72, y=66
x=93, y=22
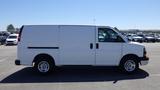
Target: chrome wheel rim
x=130, y=65
x=43, y=66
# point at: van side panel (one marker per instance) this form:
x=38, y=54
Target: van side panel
x=77, y=45
x=38, y=40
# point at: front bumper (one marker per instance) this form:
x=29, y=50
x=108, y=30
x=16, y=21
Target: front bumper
x=11, y=43
x=144, y=60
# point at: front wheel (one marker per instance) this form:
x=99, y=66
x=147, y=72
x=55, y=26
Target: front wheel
x=129, y=65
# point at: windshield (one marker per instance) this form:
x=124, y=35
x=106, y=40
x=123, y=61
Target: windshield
x=116, y=29
x=121, y=34
x=12, y=37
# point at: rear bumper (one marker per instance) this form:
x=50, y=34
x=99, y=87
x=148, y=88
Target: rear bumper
x=17, y=62
x=144, y=60
x=11, y=43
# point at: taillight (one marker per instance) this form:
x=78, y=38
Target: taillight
x=144, y=52
x=20, y=32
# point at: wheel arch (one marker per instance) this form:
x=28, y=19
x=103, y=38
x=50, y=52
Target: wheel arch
x=129, y=56
x=43, y=55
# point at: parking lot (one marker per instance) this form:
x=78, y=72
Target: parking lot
x=98, y=78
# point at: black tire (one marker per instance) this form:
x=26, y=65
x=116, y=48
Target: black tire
x=129, y=65
x=42, y=63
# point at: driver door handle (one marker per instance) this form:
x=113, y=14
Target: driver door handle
x=97, y=45
x=91, y=45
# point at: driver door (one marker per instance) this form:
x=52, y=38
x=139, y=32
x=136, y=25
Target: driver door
x=108, y=47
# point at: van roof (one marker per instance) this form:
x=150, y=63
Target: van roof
x=70, y=25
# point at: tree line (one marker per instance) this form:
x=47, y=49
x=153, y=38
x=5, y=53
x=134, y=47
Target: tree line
x=12, y=29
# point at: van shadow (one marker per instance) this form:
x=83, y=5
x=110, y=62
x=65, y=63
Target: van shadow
x=73, y=74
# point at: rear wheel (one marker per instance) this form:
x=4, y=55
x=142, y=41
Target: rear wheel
x=129, y=65
x=44, y=65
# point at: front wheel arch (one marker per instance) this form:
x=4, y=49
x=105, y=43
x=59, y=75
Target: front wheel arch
x=129, y=56
x=125, y=59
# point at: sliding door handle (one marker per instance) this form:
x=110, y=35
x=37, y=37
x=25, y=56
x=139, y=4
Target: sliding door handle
x=91, y=45
x=97, y=45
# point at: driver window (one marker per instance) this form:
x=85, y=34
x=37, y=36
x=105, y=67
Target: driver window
x=108, y=35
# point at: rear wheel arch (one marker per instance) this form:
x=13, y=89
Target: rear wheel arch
x=49, y=57
x=44, y=64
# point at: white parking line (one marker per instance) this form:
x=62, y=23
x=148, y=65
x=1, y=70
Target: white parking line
x=2, y=59
x=157, y=75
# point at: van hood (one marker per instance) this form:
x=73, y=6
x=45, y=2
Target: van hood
x=137, y=44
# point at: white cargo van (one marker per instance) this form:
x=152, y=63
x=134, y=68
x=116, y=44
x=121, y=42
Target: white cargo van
x=46, y=46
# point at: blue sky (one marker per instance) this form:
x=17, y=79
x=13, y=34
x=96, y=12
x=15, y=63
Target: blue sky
x=124, y=14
